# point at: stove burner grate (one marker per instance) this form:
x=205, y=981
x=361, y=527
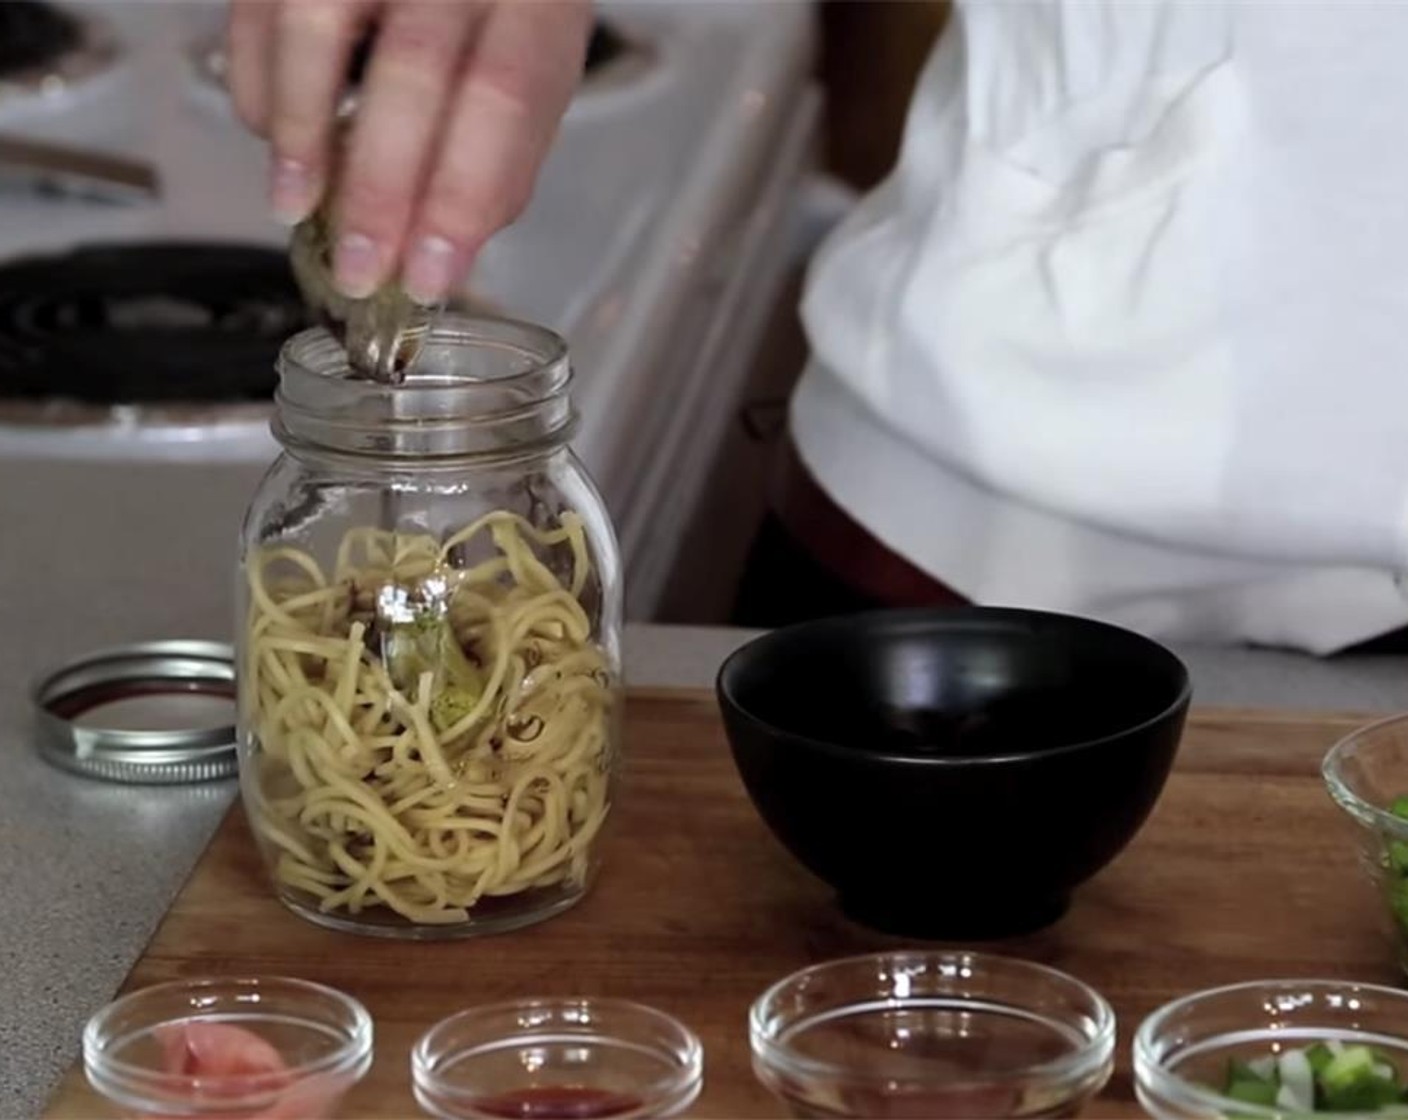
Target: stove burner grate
x=146, y=324
x=45, y=49
x=35, y=35
x=605, y=46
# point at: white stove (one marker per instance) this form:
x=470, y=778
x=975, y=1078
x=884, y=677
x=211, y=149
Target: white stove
x=662, y=227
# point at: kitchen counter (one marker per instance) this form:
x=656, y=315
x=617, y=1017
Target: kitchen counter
x=89, y=869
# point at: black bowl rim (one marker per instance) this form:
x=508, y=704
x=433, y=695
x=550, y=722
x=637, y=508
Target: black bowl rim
x=930, y=615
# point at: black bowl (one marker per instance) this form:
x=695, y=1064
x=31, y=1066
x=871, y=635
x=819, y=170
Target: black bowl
x=954, y=773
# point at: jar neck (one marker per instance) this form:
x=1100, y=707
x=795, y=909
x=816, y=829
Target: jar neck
x=484, y=389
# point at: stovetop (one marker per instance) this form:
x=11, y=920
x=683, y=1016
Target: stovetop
x=35, y=35
x=129, y=322
x=45, y=49
x=146, y=324
x=669, y=80
x=630, y=237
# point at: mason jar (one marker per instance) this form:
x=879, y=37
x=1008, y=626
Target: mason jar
x=429, y=664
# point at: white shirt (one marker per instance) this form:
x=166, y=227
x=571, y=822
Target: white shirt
x=1125, y=333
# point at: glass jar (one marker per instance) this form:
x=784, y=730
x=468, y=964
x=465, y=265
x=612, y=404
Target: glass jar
x=429, y=663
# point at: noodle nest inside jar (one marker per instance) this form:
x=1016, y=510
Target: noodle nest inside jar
x=427, y=739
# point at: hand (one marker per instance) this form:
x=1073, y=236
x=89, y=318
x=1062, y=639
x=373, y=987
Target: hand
x=459, y=104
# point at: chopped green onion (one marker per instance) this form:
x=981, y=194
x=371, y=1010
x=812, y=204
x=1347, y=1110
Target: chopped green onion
x=1297, y=1082
x=1264, y=1068
x=1319, y=1056
x=1349, y=1083
x=1245, y=1083
x=1398, y=902
x=1327, y=1077
x=1398, y=856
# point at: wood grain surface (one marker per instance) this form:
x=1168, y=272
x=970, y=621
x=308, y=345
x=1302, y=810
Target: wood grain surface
x=1245, y=871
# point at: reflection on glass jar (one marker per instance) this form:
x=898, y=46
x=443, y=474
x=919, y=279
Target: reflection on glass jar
x=430, y=616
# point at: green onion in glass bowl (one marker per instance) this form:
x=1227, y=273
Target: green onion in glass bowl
x=1276, y=1049
x=1322, y=1077
x=1367, y=775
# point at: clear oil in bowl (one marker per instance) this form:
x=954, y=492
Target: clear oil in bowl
x=929, y=1059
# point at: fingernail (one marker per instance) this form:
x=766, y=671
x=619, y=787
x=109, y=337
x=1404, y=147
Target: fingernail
x=293, y=191
x=430, y=270
x=356, y=265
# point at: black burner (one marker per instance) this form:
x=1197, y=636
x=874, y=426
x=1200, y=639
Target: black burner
x=146, y=324
x=34, y=34
x=604, y=47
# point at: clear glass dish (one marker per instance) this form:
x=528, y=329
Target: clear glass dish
x=1366, y=772
x=566, y=1059
x=429, y=630
x=932, y=1034
x=232, y=1048
x=1182, y=1051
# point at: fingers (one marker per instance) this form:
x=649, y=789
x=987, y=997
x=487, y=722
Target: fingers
x=248, y=43
x=314, y=41
x=459, y=106
x=418, y=54
x=519, y=77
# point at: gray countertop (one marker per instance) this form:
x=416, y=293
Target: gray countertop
x=89, y=868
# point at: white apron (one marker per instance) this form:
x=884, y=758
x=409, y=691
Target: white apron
x=1126, y=332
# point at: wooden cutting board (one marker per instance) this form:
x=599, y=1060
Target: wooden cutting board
x=1245, y=871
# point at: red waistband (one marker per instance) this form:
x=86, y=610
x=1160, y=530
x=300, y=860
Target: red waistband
x=848, y=550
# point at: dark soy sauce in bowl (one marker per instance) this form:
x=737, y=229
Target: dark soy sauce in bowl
x=559, y=1102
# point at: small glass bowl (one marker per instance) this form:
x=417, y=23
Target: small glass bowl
x=583, y=1059
x=1181, y=1051
x=1366, y=772
x=259, y=1047
x=932, y=1034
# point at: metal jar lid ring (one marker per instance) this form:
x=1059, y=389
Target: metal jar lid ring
x=156, y=712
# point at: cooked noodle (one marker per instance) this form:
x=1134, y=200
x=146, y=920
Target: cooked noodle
x=426, y=736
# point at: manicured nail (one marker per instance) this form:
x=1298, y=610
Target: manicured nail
x=293, y=191
x=430, y=270
x=356, y=265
